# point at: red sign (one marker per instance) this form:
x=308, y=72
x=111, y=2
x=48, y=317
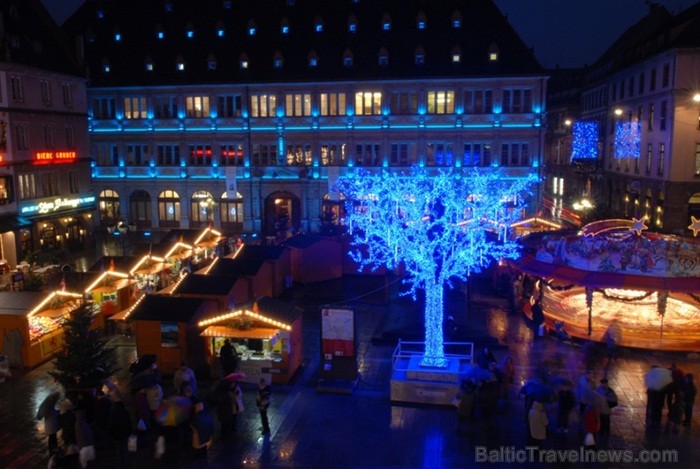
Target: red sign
x=47, y=157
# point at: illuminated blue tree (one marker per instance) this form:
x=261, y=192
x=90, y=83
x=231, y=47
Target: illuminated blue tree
x=441, y=225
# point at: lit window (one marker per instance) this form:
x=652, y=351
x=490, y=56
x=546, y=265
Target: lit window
x=313, y=61
x=456, y=58
x=456, y=24
x=105, y=67
x=244, y=64
x=421, y=20
x=277, y=61
x=456, y=55
x=149, y=65
x=211, y=63
x=180, y=63
x=421, y=24
x=117, y=36
x=493, y=53
x=386, y=26
x=386, y=22
x=243, y=61
x=190, y=34
x=456, y=19
x=347, y=62
x=319, y=27
x=284, y=27
x=160, y=34
x=220, y=32
x=352, y=27
x=420, y=56
x=383, y=60
x=251, y=28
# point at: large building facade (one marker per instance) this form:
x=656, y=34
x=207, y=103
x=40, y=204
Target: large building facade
x=643, y=95
x=46, y=198
x=244, y=113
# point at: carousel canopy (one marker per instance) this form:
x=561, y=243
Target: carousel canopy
x=616, y=254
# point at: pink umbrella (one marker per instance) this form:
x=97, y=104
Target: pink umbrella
x=235, y=376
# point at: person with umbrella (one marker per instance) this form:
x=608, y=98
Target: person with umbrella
x=657, y=381
x=50, y=415
x=184, y=376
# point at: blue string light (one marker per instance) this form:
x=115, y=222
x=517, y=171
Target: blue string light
x=628, y=139
x=585, y=141
x=439, y=225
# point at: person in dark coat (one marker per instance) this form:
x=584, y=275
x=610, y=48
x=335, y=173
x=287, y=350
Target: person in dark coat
x=119, y=428
x=465, y=409
x=50, y=415
x=100, y=424
x=674, y=388
x=485, y=357
x=675, y=415
x=84, y=437
x=202, y=430
x=226, y=355
x=566, y=402
x=67, y=422
x=263, y=402
x=689, y=392
x=537, y=317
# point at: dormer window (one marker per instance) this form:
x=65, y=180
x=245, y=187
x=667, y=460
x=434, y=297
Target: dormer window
x=106, y=68
x=421, y=20
x=252, y=29
x=160, y=33
x=277, y=60
x=228, y=4
x=149, y=63
x=318, y=24
x=168, y=6
x=189, y=31
x=100, y=13
x=493, y=53
x=457, y=19
x=220, y=30
x=352, y=24
x=284, y=26
x=420, y=56
x=347, y=58
x=180, y=63
x=117, y=35
x=386, y=22
x=456, y=54
x=313, y=59
x=383, y=57
x=211, y=62
x=243, y=61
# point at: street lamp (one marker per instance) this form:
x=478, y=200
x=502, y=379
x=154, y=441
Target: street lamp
x=208, y=208
x=696, y=98
x=123, y=229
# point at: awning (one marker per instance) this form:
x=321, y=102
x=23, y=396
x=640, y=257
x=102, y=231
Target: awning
x=223, y=331
x=13, y=223
x=120, y=316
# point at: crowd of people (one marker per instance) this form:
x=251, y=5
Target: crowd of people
x=82, y=426
x=585, y=406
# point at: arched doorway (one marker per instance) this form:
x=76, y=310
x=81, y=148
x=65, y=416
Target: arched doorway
x=169, y=209
x=282, y=214
x=108, y=205
x=140, y=208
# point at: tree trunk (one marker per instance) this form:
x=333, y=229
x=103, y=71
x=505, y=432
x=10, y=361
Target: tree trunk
x=434, y=309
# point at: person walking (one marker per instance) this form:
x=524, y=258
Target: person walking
x=184, y=376
x=237, y=406
x=689, y=392
x=584, y=385
x=591, y=425
x=465, y=404
x=537, y=319
x=84, y=437
x=50, y=416
x=566, y=404
x=263, y=402
x=675, y=415
x=203, y=429
x=606, y=408
x=119, y=428
x=538, y=425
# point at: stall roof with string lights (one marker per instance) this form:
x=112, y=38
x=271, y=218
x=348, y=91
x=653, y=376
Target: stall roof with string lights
x=615, y=270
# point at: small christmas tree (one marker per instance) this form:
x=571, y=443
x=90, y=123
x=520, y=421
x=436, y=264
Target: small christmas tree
x=606, y=265
x=86, y=359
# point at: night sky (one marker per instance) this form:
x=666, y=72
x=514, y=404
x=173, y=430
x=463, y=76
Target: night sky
x=568, y=33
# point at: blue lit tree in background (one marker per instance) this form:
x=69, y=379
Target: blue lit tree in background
x=441, y=225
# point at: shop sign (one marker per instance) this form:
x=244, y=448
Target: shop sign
x=46, y=157
x=337, y=333
x=58, y=204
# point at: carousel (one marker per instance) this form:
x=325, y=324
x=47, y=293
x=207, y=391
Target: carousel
x=612, y=275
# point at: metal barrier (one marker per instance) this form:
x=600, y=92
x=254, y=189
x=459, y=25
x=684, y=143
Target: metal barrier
x=462, y=352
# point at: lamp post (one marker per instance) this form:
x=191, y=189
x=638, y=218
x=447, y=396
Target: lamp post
x=122, y=228
x=696, y=98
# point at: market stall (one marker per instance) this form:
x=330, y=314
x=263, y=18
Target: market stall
x=209, y=243
x=277, y=257
x=267, y=335
x=151, y=273
x=112, y=292
x=179, y=256
x=314, y=258
x=256, y=272
x=166, y=326
x=226, y=290
x=31, y=325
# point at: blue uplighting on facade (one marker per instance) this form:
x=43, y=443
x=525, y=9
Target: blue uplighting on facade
x=628, y=139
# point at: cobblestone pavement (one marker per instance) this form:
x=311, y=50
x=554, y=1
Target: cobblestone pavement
x=364, y=429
